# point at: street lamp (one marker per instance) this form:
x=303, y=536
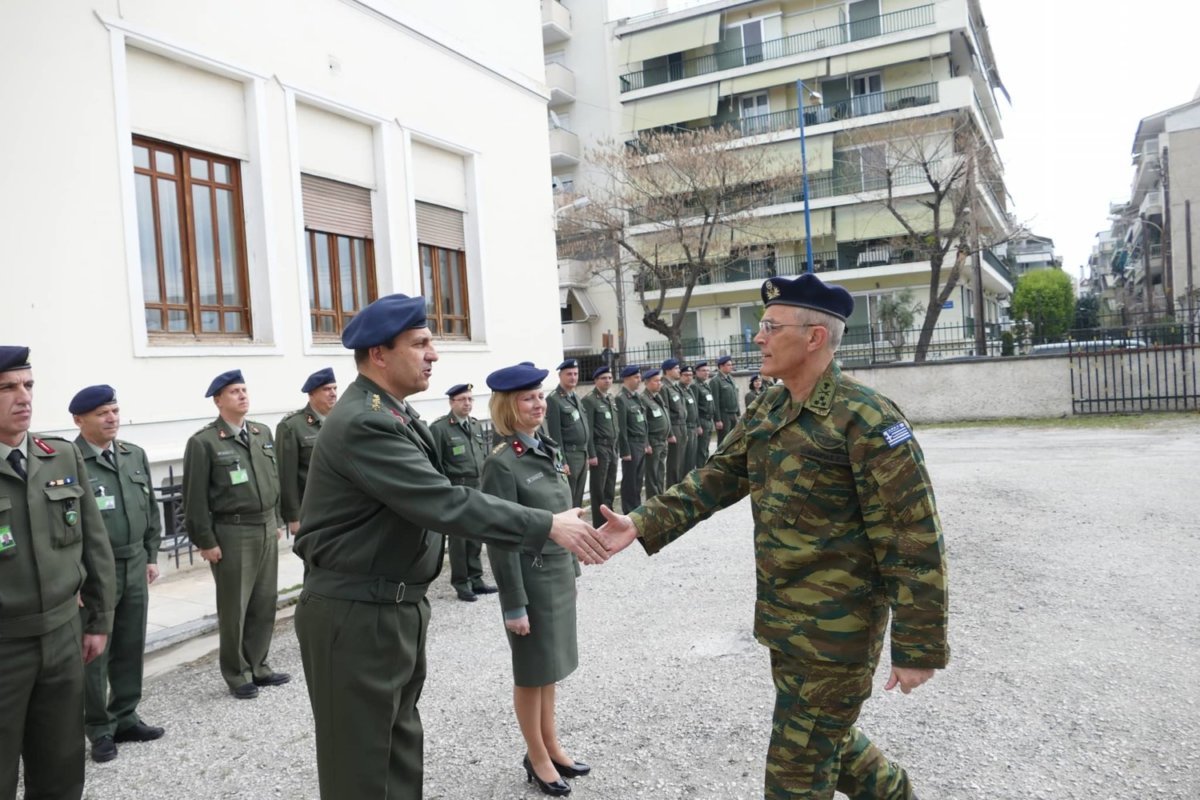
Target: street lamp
x=801, y=88
x=578, y=202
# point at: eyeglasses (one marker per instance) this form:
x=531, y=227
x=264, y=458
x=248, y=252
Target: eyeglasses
x=768, y=327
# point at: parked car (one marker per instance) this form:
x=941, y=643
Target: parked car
x=1089, y=346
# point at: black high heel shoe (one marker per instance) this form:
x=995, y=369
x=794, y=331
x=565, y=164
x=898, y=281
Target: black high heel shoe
x=577, y=769
x=558, y=788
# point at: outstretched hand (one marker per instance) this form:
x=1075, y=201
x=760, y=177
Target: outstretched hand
x=907, y=678
x=569, y=530
x=618, y=532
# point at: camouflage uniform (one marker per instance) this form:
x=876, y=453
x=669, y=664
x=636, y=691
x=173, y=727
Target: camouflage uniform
x=845, y=527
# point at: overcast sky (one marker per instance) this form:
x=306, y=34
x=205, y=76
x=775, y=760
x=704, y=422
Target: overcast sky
x=1081, y=77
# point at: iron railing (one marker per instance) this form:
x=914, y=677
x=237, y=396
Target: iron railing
x=907, y=19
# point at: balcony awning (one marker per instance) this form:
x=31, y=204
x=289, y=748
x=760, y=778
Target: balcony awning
x=877, y=57
x=677, y=37
x=781, y=228
x=874, y=221
x=581, y=298
x=772, y=77
x=653, y=112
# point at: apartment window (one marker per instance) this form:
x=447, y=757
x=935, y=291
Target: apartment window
x=748, y=36
x=192, y=238
x=867, y=93
x=341, y=254
x=442, y=246
x=753, y=110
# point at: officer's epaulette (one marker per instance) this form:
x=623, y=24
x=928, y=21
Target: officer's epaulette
x=43, y=446
x=207, y=427
x=499, y=447
x=290, y=414
x=122, y=446
x=443, y=417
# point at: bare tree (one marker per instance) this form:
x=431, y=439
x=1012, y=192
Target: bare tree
x=928, y=175
x=678, y=208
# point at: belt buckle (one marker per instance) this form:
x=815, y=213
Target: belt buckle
x=237, y=519
x=400, y=589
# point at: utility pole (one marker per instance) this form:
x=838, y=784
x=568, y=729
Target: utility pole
x=1168, y=269
x=981, y=348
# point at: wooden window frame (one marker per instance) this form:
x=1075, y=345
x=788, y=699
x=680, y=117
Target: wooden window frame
x=184, y=182
x=340, y=317
x=434, y=294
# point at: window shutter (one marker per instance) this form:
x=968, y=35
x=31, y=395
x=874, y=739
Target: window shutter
x=335, y=207
x=440, y=226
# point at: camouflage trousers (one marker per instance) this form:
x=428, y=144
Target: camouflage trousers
x=815, y=747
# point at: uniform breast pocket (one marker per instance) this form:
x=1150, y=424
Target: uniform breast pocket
x=229, y=472
x=63, y=514
x=141, y=493
x=8, y=539
x=823, y=489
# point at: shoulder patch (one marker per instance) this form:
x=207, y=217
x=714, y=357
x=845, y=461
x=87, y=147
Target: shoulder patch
x=897, y=434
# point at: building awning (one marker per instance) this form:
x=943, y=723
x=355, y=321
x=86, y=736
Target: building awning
x=677, y=37
x=698, y=102
x=581, y=298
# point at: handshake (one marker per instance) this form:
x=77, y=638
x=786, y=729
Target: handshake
x=593, y=545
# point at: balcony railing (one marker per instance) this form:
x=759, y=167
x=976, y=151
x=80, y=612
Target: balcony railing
x=861, y=106
x=805, y=42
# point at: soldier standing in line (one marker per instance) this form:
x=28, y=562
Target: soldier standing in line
x=367, y=536
x=567, y=427
x=672, y=395
x=633, y=442
x=231, y=509
x=462, y=449
x=600, y=412
x=705, y=404
x=725, y=396
x=691, y=420
x=295, y=436
x=119, y=480
x=845, y=530
x=54, y=556
x=658, y=431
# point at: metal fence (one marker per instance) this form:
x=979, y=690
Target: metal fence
x=1135, y=368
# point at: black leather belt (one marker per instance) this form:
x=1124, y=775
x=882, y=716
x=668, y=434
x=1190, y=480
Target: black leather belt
x=461, y=481
x=251, y=518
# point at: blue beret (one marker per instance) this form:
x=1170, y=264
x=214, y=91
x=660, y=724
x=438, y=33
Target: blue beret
x=598, y=371
x=13, y=358
x=670, y=363
x=629, y=372
x=318, y=379
x=568, y=363
x=91, y=398
x=223, y=380
x=650, y=373
x=459, y=388
x=724, y=360
x=808, y=291
x=383, y=320
x=516, y=378
x=700, y=364
x=686, y=369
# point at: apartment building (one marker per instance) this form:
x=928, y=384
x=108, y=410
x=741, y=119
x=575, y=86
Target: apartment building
x=1025, y=251
x=188, y=191
x=1145, y=260
x=858, y=77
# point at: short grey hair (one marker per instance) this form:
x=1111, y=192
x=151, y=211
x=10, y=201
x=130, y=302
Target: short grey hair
x=835, y=326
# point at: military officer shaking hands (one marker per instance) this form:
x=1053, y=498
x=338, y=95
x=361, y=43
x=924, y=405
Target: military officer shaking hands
x=119, y=481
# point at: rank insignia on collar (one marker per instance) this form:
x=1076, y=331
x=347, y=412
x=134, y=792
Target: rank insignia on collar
x=221, y=434
x=398, y=415
x=772, y=290
x=517, y=447
x=310, y=419
x=254, y=430
x=45, y=448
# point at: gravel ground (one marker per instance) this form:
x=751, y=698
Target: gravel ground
x=1074, y=567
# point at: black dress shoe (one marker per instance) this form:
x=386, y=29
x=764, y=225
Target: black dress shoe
x=103, y=749
x=139, y=732
x=466, y=597
x=274, y=679
x=246, y=691
x=577, y=769
x=485, y=588
x=558, y=788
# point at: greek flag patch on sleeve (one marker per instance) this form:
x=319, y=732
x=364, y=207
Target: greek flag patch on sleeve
x=897, y=435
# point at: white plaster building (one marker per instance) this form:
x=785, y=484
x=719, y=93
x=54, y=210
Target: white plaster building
x=190, y=188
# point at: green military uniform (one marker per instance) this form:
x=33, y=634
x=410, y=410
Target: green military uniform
x=751, y=396
x=124, y=493
x=375, y=499
x=691, y=421
x=845, y=527
x=54, y=552
x=725, y=405
x=295, y=437
x=568, y=427
x=658, y=428
x=705, y=407
x=462, y=450
x=600, y=411
x=674, y=393
x=231, y=499
x=538, y=585
x=632, y=440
